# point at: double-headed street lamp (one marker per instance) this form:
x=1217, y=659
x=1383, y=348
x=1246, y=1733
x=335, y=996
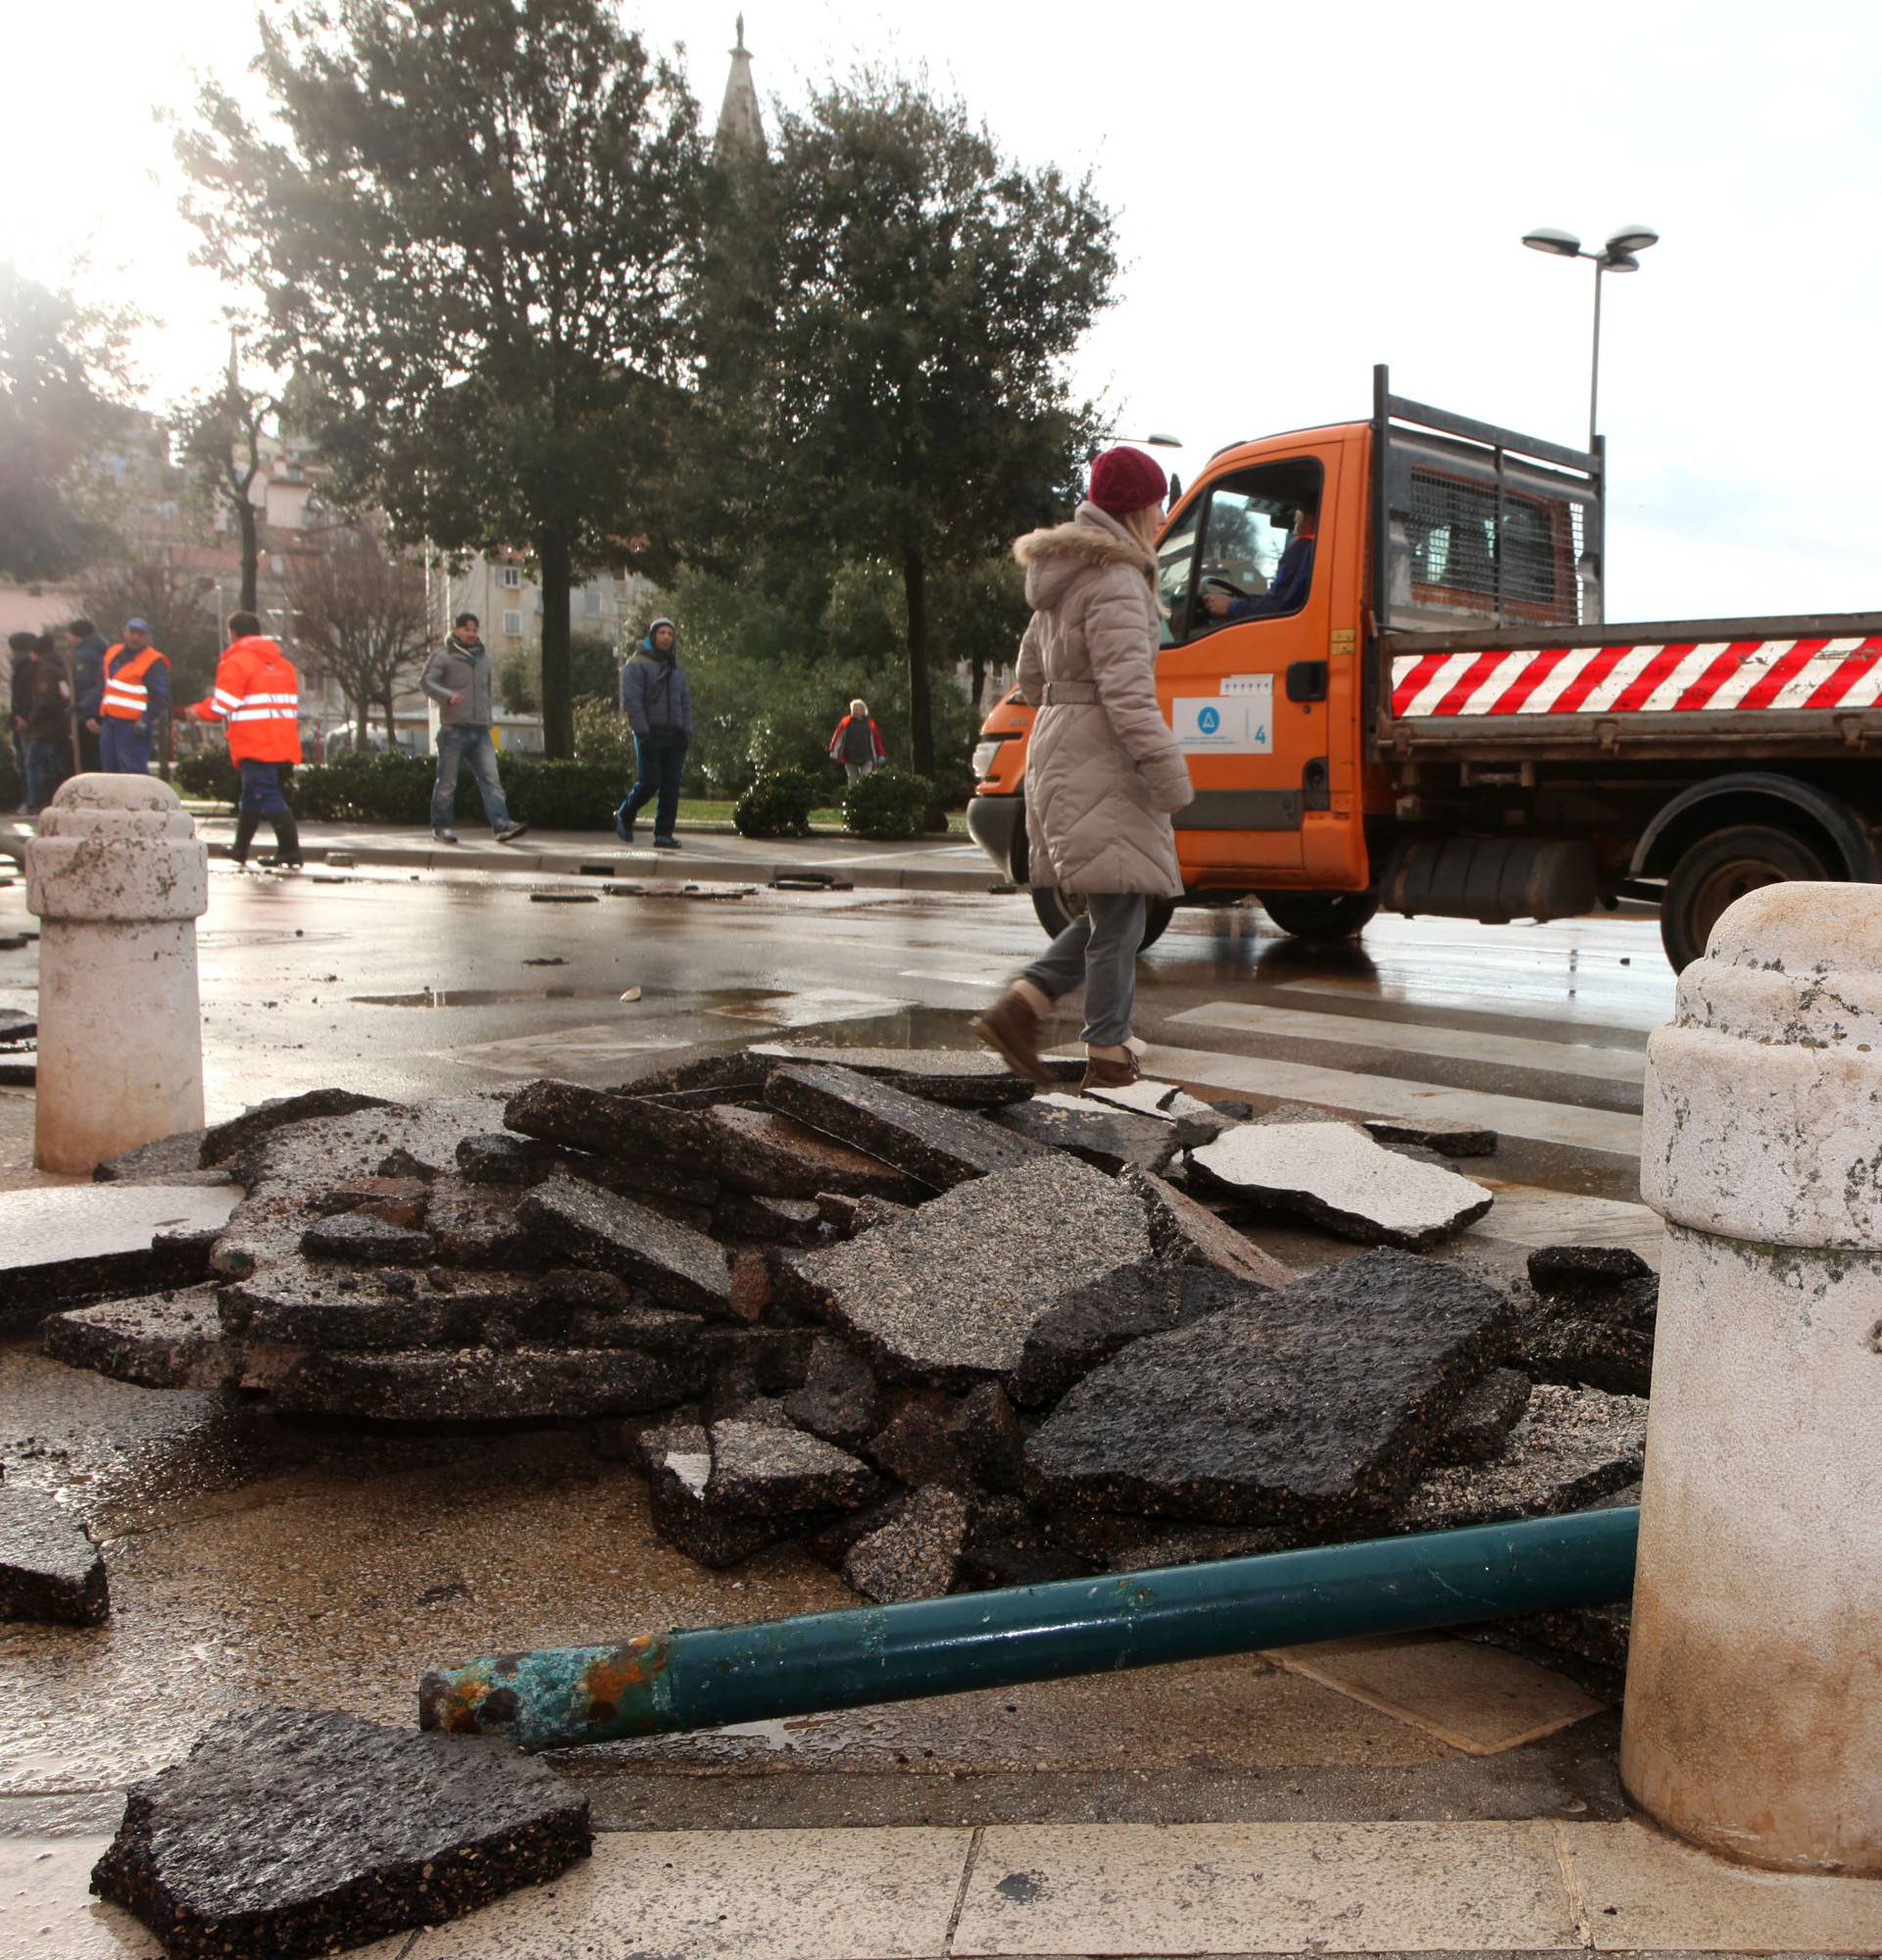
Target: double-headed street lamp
x=1618, y=255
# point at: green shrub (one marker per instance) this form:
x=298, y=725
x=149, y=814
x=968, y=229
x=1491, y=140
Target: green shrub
x=778, y=804
x=555, y=795
x=603, y=734
x=887, y=803
x=207, y=773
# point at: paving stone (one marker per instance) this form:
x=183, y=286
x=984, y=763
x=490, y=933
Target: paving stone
x=1449, y=1139
x=1113, y=1139
x=168, y=1157
x=1180, y=1228
x=948, y=1294
x=364, y=1240
x=839, y=1399
x=1491, y=1408
x=927, y=1141
x=1574, y=1270
x=308, y=1303
x=494, y=1158
x=847, y=1216
x=679, y=1464
x=1336, y=1175
x=784, y=1221
x=764, y=1151
x=916, y=1554
x=474, y=1225
x=971, y=1441
x=596, y=1228
x=157, y=1341
x=966, y=1078
x=49, y=1569
x=1574, y=1448
x=761, y=1470
x=487, y=1384
x=1090, y=1323
x=293, y=1832
x=226, y=1141
x=1314, y=1405
x=68, y=1246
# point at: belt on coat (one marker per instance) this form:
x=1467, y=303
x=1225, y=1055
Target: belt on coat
x=1070, y=693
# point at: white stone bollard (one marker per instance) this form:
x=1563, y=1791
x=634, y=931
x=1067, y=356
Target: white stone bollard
x=118, y=878
x=1753, y=1722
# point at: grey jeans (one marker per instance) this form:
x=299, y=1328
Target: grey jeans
x=1099, y=951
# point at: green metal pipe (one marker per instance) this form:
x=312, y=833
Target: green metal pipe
x=709, y=1676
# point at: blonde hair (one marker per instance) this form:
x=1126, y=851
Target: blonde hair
x=1144, y=523
x=861, y=707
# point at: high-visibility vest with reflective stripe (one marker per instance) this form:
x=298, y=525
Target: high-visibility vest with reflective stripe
x=259, y=695
x=126, y=693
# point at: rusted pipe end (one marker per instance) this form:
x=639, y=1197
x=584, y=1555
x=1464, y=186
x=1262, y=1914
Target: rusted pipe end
x=556, y=1697
x=469, y=1701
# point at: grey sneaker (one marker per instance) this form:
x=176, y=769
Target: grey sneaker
x=510, y=832
x=446, y=836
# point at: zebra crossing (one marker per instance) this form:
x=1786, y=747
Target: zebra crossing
x=1564, y=1100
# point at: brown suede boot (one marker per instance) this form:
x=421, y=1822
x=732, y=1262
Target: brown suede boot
x=1011, y=1027
x=1101, y=1072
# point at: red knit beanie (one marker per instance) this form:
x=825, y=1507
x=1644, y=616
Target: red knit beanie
x=1123, y=481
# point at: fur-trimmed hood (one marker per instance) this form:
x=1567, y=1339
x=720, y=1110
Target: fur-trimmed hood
x=1054, y=556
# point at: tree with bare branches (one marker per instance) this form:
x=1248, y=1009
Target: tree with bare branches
x=361, y=615
x=219, y=440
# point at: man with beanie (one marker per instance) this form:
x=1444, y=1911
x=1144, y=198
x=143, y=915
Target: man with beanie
x=137, y=697
x=658, y=707
x=87, y=645
x=458, y=678
x=258, y=694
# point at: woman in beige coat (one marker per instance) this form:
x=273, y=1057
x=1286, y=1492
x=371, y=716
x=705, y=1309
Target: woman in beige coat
x=1104, y=773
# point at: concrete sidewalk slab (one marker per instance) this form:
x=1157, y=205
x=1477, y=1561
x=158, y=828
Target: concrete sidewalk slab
x=1211, y=1889
x=724, y=1895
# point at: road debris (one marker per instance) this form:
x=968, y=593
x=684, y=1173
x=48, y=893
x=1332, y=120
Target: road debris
x=50, y=1571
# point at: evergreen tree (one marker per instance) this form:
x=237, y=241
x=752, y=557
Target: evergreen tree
x=473, y=225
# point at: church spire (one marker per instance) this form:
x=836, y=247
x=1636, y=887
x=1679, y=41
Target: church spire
x=741, y=125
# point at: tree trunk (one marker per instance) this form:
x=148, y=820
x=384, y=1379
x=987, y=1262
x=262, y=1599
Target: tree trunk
x=558, y=677
x=391, y=721
x=361, y=722
x=915, y=585
x=979, y=670
x=250, y=533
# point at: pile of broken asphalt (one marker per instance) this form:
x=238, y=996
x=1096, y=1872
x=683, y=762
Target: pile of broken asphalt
x=893, y=1305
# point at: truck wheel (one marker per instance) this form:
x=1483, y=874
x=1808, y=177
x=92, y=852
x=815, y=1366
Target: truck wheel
x=1320, y=914
x=1720, y=869
x=1056, y=909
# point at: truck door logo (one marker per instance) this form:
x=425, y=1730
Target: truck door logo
x=1208, y=721
x=1235, y=723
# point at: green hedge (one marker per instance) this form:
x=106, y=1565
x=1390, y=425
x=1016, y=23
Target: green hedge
x=887, y=803
x=383, y=788
x=207, y=773
x=778, y=804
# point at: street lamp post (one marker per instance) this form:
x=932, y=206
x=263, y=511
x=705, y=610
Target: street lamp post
x=1618, y=255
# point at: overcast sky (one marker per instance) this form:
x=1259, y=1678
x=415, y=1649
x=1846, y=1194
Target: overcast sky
x=1301, y=191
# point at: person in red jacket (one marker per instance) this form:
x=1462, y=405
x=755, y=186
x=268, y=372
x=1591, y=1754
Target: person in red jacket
x=259, y=695
x=858, y=742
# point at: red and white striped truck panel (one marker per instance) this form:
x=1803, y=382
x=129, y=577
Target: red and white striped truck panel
x=1645, y=678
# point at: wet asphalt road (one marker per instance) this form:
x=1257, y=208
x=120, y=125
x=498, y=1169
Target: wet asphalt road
x=254, y=1559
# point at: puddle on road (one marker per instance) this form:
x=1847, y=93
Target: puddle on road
x=482, y=996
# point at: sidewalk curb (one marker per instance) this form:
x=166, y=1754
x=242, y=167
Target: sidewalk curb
x=624, y=866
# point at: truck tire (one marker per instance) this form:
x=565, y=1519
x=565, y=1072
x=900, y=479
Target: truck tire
x=1320, y=914
x=1721, y=868
x=1056, y=909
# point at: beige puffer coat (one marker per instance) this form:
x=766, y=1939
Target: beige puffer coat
x=1103, y=770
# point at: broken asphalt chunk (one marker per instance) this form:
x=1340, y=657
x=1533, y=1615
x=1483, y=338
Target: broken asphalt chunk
x=782, y=1222
x=289, y=1832
x=157, y=1341
x=927, y=1141
x=1449, y=1139
x=1315, y=1405
x=966, y=1078
x=679, y=1466
x=916, y=1554
x=1113, y=1139
x=761, y=1470
x=1491, y=1408
x=839, y=1399
x=763, y=1150
x=595, y=1228
x=488, y=1384
x=299, y=1302
x=50, y=1571
x=948, y=1295
x=1335, y=1174
x=1183, y=1230
x=364, y=1240
x=228, y=1139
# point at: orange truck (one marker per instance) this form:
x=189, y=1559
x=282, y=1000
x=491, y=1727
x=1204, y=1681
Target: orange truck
x=1422, y=709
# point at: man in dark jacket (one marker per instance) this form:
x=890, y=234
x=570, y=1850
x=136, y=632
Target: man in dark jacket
x=458, y=678
x=43, y=710
x=87, y=689
x=658, y=706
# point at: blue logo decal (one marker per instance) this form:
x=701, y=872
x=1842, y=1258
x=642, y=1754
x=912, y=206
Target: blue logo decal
x=1209, y=720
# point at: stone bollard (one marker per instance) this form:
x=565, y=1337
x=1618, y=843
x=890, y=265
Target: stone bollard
x=118, y=878
x=1753, y=1722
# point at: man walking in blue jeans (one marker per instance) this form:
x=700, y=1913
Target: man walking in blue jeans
x=458, y=678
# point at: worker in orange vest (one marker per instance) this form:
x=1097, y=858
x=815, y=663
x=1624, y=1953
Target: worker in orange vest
x=136, y=695
x=259, y=695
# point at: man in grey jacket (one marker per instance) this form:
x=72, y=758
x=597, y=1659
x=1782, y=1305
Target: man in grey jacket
x=458, y=678
x=658, y=706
